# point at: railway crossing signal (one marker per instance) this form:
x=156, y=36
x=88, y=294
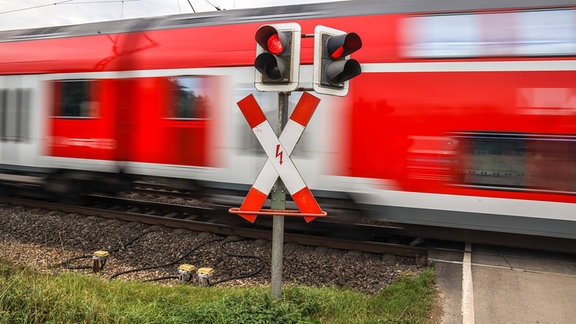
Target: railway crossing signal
x=277, y=66
x=333, y=67
x=279, y=163
x=277, y=57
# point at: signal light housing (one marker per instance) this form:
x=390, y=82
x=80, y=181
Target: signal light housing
x=333, y=67
x=277, y=60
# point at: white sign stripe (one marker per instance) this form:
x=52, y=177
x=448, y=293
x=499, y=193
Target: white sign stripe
x=279, y=163
x=289, y=138
x=279, y=157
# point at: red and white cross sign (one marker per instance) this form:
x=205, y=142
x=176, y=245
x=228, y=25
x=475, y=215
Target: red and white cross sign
x=279, y=162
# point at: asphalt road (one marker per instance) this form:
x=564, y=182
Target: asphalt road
x=487, y=284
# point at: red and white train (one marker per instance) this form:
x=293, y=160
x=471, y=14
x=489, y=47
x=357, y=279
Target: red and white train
x=464, y=115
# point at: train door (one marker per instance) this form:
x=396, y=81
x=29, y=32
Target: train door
x=16, y=99
x=81, y=121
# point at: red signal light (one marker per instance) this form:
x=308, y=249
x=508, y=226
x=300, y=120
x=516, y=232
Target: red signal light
x=337, y=53
x=342, y=45
x=277, y=60
x=275, y=44
x=332, y=66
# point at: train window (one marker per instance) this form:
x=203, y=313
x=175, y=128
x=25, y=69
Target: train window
x=75, y=98
x=3, y=112
x=548, y=32
x=523, y=33
x=518, y=161
x=493, y=160
x=188, y=99
x=436, y=37
x=10, y=129
x=498, y=34
x=14, y=114
x=23, y=120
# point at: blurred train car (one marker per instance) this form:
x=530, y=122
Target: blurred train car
x=464, y=115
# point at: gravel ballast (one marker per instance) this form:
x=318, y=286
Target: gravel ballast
x=44, y=240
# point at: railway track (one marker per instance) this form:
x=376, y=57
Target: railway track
x=218, y=221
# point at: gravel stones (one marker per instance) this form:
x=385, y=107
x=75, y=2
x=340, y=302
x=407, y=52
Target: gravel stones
x=44, y=240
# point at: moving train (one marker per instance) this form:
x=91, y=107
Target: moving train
x=464, y=115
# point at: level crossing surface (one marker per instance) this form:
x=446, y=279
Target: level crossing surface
x=487, y=284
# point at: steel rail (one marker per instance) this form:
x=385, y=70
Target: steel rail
x=420, y=254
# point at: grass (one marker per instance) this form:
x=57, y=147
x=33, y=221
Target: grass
x=29, y=297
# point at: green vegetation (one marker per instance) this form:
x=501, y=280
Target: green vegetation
x=29, y=297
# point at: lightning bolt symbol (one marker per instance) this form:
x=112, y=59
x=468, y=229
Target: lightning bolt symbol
x=279, y=153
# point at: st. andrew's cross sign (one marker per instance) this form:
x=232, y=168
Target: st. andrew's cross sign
x=279, y=163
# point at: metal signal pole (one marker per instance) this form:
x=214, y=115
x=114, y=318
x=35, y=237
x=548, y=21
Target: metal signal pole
x=279, y=202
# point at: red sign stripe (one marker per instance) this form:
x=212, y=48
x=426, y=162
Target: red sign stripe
x=305, y=109
x=253, y=202
x=251, y=111
x=306, y=203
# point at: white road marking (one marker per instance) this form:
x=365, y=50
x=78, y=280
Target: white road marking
x=467, y=287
